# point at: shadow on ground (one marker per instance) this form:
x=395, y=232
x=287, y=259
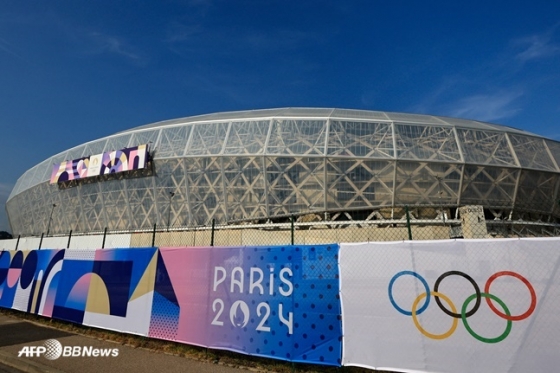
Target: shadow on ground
x=15, y=333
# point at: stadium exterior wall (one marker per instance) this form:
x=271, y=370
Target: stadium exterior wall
x=316, y=164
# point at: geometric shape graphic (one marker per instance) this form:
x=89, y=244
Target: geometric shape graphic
x=28, y=270
x=15, y=269
x=98, y=298
x=146, y=283
x=116, y=276
x=164, y=321
x=163, y=285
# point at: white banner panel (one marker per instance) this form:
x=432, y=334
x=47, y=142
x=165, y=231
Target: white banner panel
x=452, y=306
x=8, y=244
x=28, y=243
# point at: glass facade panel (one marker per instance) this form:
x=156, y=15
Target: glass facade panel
x=297, y=137
x=554, y=148
x=171, y=186
x=205, y=186
x=532, y=152
x=92, y=148
x=361, y=139
x=247, y=137
x=490, y=186
x=359, y=183
x=145, y=137
x=141, y=203
x=172, y=142
x=245, y=188
x=486, y=147
x=426, y=143
x=207, y=139
x=422, y=183
x=534, y=191
x=295, y=185
x=117, y=143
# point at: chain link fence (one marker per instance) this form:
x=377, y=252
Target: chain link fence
x=398, y=224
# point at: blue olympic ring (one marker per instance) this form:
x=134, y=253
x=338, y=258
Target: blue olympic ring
x=426, y=302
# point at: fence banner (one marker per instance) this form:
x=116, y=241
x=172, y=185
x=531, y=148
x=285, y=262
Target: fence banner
x=110, y=289
x=452, y=306
x=280, y=302
x=275, y=301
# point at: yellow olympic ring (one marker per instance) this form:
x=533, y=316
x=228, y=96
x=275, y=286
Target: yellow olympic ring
x=417, y=323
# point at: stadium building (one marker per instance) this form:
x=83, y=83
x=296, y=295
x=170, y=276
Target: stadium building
x=316, y=164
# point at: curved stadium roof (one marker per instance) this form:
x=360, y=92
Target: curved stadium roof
x=330, y=113
x=267, y=163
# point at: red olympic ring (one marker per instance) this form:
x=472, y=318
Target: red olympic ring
x=526, y=282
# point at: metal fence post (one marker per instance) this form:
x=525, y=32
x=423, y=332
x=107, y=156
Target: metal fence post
x=154, y=236
x=69, y=238
x=292, y=221
x=408, y=223
x=104, y=236
x=212, y=234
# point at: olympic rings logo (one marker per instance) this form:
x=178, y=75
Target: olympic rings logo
x=451, y=310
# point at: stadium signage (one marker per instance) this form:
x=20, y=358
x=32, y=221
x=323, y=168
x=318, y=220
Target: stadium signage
x=115, y=161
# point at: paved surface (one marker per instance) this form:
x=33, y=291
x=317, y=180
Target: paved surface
x=16, y=333
x=8, y=369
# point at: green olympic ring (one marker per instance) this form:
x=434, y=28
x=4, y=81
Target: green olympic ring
x=499, y=338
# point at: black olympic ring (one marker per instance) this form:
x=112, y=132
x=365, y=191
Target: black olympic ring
x=476, y=289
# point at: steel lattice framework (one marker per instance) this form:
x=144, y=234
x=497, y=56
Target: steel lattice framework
x=268, y=164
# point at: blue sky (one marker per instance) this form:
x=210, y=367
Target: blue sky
x=74, y=71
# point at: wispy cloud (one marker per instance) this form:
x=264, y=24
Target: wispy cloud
x=7, y=48
x=179, y=32
x=495, y=88
x=537, y=46
x=103, y=43
x=486, y=107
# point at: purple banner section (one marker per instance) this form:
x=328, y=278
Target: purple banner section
x=101, y=164
x=280, y=302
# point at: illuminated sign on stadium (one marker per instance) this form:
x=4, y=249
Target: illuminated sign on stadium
x=101, y=164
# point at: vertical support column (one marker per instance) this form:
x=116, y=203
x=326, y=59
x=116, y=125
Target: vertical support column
x=212, y=234
x=104, y=237
x=408, y=223
x=292, y=229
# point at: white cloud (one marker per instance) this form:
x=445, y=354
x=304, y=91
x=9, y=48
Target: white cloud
x=537, y=46
x=103, y=43
x=486, y=107
x=179, y=32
